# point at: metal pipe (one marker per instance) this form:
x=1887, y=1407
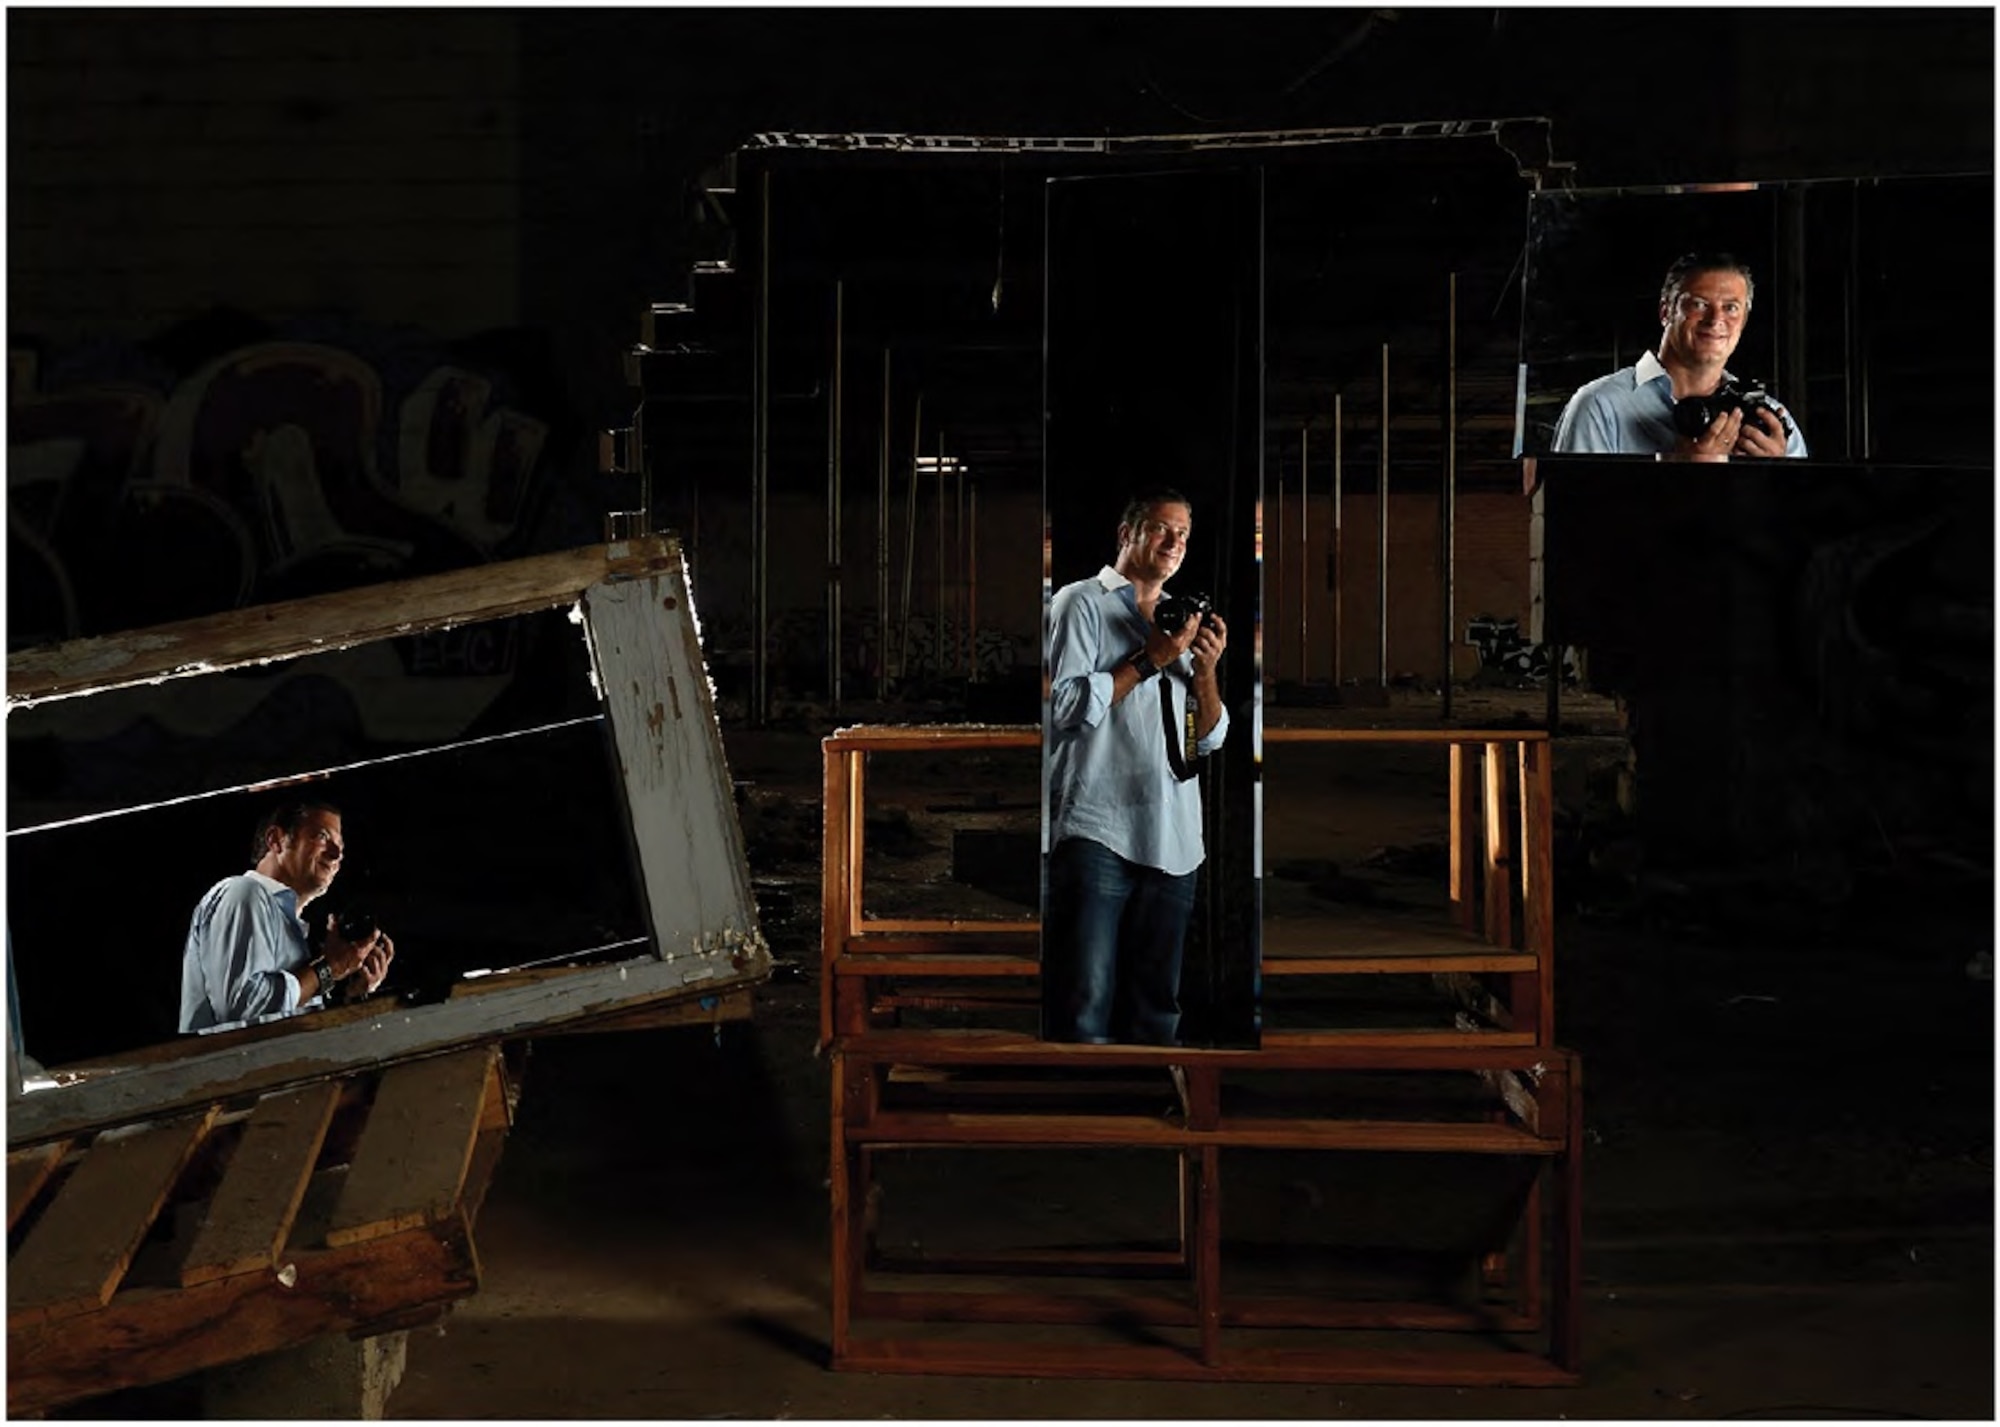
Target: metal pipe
x=1448, y=515
x=941, y=624
x=833, y=510
x=910, y=541
x=961, y=582
x=972, y=574
x=760, y=454
x=1276, y=604
x=1339, y=566
x=1382, y=532
x=1305, y=579
x=882, y=545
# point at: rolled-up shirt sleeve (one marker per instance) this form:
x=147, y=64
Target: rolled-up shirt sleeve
x=238, y=957
x=1079, y=692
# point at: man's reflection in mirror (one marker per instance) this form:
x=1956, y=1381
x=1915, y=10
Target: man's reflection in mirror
x=248, y=956
x=1682, y=402
x=1134, y=705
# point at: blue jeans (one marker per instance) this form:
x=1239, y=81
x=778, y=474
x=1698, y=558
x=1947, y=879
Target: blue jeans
x=1111, y=948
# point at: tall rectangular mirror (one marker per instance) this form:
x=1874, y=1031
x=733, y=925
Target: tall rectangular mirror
x=1153, y=353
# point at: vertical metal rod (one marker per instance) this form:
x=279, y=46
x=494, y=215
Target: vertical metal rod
x=942, y=628
x=882, y=545
x=833, y=510
x=1276, y=604
x=1382, y=532
x=910, y=541
x=972, y=575
x=1339, y=563
x=760, y=454
x=1305, y=566
x=1861, y=345
x=965, y=584
x=1448, y=515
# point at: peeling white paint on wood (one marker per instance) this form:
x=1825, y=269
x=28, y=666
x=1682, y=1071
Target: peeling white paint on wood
x=111, y=1097
x=682, y=806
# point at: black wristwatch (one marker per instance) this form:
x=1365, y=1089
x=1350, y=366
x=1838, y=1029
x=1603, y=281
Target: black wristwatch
x=323, y=969
x=1146, y=667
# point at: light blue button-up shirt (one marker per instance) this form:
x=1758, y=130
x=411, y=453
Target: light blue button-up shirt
x=1109, y=779
x=1631, y=413
x=245, y=945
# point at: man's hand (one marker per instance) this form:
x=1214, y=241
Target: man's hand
x=1717, y=442
x=1762, y=434
x=1163, y=648
x=369, y=957
x=1209, y=642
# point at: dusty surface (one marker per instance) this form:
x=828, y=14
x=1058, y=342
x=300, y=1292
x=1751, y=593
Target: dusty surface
x=1789, y=1187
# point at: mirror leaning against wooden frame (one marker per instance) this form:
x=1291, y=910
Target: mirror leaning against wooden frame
x=1154, y=366
x=533, y=801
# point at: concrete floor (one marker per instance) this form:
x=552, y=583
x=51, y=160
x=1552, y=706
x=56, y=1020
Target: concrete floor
x=1789, y=1202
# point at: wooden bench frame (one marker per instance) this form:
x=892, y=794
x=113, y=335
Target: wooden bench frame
x=1531, y=1109
x=1502, y=909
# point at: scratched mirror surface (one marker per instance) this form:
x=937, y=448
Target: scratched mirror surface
x=1871, y=318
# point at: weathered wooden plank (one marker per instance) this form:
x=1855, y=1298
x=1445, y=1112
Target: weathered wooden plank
x=253, y=1208
x=835, y=873
x=914, y=964
x=398, y=1032
x=900, y=1127
x=863, y=738
x=323, y=623
x=409, y=1168
x=155, y=1334
x=1455, y=1366
x=681, y=806
x=78, y=1251
x=27, y=1172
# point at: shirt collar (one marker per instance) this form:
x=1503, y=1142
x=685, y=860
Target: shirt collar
x=1648, y=369
x=1111, y=580
x=277, y=889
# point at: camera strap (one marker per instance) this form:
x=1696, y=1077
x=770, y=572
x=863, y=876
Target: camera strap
x=1181, y=755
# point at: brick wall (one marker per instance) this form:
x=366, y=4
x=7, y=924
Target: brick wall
x=283, y=163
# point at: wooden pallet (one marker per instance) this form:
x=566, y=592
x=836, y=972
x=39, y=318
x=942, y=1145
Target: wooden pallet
x=145, y=1252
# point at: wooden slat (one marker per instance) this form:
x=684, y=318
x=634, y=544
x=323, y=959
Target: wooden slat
x=857, y=837
x=1538, y=887
x=1462, y=885
x=1006, y=938
x=151, y=1335
x=1280, y=1051
x=899, y=1127
x=884, y=738
x=252, y=1211
x=410, y=1165
x=27, y=1172
x=835, y=873
x=1404, y=735
x=937, y=965
x=323, y=623
x=1497, y=867
x=1169, y=1310
x=80, y=1248
x=1463, y=1367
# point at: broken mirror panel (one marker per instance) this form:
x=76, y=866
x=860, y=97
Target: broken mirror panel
x=482, y=813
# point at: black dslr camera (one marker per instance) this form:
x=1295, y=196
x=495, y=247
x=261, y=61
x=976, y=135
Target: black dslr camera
x=355, y=927
x=1173, y=612
x=1694, y=414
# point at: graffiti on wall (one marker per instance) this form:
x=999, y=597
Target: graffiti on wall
x=276, y=469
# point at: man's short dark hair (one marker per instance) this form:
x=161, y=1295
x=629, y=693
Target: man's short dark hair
x=287, y=818
x=1688, y=264
x=1145, y=500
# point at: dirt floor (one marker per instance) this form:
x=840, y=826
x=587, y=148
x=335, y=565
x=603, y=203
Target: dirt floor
x=1789, y=1170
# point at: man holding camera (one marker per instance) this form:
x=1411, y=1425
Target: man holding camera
x=1681, y=403
x=1133, y=703
x=247, y=957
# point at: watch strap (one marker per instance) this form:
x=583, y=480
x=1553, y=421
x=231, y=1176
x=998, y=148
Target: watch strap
x=323, y=970
x=1145, y=666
